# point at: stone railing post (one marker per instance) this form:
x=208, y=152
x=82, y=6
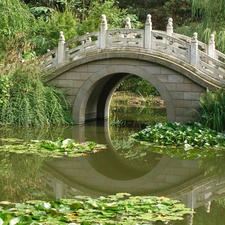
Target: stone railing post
x=169, y=27
x=102, y=35
x=61, y=48
x=194, y=50
x=148, y=33
x=211, y=46
x=128, y=23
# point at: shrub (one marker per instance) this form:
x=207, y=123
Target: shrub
x=25, y=100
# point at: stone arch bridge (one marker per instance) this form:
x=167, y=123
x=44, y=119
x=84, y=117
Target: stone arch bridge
x=91, y=66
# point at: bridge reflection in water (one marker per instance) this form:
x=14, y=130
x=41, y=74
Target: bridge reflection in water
x=107, y=173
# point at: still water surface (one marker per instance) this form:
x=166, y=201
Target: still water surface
x=123, y=167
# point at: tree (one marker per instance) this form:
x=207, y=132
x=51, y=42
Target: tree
x=207, y=18
x=15, y=18
x=116, y=17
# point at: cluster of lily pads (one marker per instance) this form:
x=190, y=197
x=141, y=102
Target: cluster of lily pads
x=119, y=209
x=177, y=134
x=191, y=140
x=61, y=147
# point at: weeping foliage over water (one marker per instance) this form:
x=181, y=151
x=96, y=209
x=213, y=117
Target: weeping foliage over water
x=24, y=99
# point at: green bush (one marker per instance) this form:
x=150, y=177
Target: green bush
x=45, y=34
x=27, y=101
x=24, y=99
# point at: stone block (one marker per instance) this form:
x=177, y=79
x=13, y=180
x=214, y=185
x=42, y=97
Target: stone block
x=160, y=178
x=62, y=77
x=177, y=95
x=72, y=75
x=94, y=68
x=82, y=68
x=179, y=111
x=197, y=88
x=182, y=103
x=173, y=78
x=65, y=83
x=153, y=69
x=191, y=95
x=162, y=78
x=168, y=71
x=172, y=179
x=77, y=83
x=187, y=80
x=84, y=76
x=184, y=87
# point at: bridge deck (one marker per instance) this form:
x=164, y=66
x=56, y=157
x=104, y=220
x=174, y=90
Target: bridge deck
x=198, y=56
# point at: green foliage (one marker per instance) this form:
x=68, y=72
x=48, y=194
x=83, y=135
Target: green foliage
x=15, y=17
x=29, y=102
x=142, y=8
x=137, y=85
x=59, y=148
x=25, y=100
x=207, y=18
x=180, y=11
x=42, y=12
x=19, y=176
x=190, y=141
x=116, y=17
x=4, y=90
x=212, y=109
x=45, y=34
x=121, y=208
x=187, y=136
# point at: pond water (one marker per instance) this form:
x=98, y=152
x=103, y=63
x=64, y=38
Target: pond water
x=122, y=167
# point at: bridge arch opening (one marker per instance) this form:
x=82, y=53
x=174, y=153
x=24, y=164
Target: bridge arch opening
x=93, y=98
x=136, y=102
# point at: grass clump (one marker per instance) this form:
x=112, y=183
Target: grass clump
x=212, y=109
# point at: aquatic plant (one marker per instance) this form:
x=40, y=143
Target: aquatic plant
x=58, y=148
x=121, y=208
x=177, y=135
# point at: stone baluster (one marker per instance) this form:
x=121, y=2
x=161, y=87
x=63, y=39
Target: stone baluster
x=128, y=23
x=148, y=32
x=61, y=48
x=208, y=206
x=194, y=50
x=169, y=27
x=102, y=35
x=211, y=46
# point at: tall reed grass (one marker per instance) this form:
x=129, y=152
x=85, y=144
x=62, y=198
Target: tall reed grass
x=24, y=99
x=212, y=109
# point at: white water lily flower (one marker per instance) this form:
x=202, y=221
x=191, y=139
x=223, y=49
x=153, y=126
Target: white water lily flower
x=47, y=205
x=14, y=221
x=187, y=147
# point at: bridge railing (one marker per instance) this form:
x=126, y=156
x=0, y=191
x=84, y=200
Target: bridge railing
x=81, y=45
x=203, y=57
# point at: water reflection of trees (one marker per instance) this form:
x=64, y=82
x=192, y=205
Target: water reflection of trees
x=214, y=165
x=130, y=152
x=34, y=133
x=19, y=178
